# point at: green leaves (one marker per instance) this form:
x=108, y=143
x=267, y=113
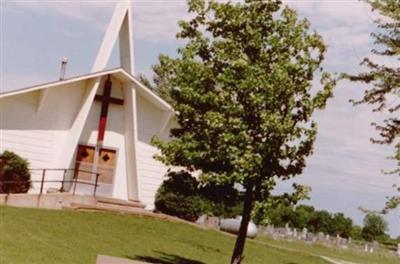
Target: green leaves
x=241, y=87
x=374, y=227
x=384, y=80
x=14, y=169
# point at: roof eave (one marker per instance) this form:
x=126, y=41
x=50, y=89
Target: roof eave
x=146, y=92
x=142, y=89
x=58, y=83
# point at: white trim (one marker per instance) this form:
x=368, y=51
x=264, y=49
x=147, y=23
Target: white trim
x=58, y=83
x=126, y=51
x=147, y=93
x=117, y=22
x=42, y=98
x=131, y=142
x=77, y=127
x=120, y=75
x=167, y=116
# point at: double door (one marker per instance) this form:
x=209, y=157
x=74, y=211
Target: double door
x=85, y=165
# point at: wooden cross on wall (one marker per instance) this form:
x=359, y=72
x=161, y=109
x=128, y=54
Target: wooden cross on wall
x=105, y=100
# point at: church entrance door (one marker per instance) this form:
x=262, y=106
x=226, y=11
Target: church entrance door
x=85, y=162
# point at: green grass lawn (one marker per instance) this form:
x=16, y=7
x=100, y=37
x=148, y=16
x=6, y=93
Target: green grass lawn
x=381, y=257
x=47, y=236
x=50, y=236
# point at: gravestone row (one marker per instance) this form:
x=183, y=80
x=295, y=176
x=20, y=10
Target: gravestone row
x=303, y=235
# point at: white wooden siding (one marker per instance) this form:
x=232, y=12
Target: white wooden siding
x=37, y=135
x=40, y=133
x=151, y=171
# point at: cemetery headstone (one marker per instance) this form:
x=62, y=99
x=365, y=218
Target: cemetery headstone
x=212, y=222
x=375, y=246
x=287, y=230
x=202, y=220
x=321, y=237
x=366, y=247
x=295, y=233
x=304, y=234
x=113, y=260
x=371, y=249
x=337, y=242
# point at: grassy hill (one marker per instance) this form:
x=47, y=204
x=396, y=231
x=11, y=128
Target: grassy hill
x=379, y=257
x=47, y=236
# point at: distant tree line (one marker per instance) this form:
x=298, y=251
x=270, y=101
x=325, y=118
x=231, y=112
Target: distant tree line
x=305, y=216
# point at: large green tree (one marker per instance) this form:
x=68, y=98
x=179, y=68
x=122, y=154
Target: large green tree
x=241, y=88
x=341, y=225
x=384, y=80
x=374, y=227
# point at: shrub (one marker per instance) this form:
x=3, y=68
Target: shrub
x=222, y=200
x=16, y=169
x=179, y=196
x=183, y=196
x=356, y=232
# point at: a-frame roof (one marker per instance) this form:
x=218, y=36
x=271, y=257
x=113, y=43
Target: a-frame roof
x=120, y=26
x=118, y=73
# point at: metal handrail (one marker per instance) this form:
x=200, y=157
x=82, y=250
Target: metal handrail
x=75, y=181
x=58, y=169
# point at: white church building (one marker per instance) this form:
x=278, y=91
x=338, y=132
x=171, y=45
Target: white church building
x=99, y=124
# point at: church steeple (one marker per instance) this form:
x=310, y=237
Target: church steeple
x=120, y=26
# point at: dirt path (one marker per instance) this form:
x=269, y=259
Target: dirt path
x=327, y=259
x=335, y=261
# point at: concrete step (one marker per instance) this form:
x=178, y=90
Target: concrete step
x=119, y=203
x=113, y=260
x=108, y=208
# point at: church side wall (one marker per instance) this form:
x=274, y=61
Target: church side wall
x=37, y=135
x=18, y=131
x=151, y=172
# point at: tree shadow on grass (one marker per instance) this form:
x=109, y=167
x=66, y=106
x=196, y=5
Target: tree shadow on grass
x=165, y=258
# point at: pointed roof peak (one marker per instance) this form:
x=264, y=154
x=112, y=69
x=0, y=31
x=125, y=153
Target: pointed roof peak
x=119, y=26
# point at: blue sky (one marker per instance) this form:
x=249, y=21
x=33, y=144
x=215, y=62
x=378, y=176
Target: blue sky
x=345, y=170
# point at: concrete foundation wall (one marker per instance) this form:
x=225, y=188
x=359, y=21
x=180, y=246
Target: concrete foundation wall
x=46, y=201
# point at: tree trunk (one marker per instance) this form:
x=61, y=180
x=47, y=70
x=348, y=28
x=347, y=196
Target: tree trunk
x=237, y=255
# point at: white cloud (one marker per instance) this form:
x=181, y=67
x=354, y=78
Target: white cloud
x=345, y=26
x=328, y=13
x=344, y=153
x=97, y=13
x=158, y=20
x=155, y=21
